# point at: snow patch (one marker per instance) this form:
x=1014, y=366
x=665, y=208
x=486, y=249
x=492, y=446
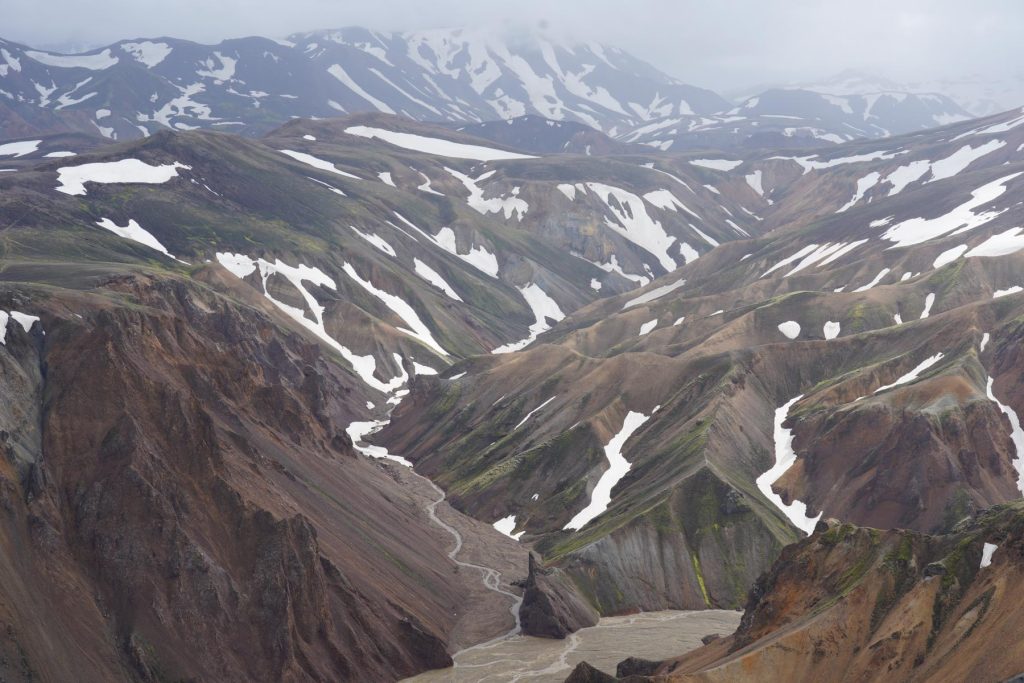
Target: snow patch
x=507, y=525
x=785, y=457
x=72, y=179
x=601, y=497
x=434, y=278
x=790, y=328
x=543, y=307
x=435, y=146
x=1016, y=433
x=317, y=163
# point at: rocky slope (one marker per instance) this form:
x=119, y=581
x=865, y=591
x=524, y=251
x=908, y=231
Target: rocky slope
x=219, y=319
x=857, y=361
x=656, y=370
x=859, y=604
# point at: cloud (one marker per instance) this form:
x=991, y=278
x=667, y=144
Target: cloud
x=723, y=45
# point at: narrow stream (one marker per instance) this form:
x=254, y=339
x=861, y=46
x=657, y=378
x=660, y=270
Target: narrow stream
x=512, y=657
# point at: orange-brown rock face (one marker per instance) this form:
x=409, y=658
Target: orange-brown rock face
x=187, y=507
x=858, y=604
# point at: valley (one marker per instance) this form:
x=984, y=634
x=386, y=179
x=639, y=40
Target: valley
x=452, y=378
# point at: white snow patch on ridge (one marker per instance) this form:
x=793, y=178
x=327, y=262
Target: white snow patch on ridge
x=664, y=199
x=508, y=206
x=785, y=457
x=97, y=62
x=648, y=327
x=543, y=307
x=359, y=430
x=72, y=179
x=601, y=498
x=1000, y=245
x=376, y=240
x=435, y=146
x=23, y=319
x=717, y=164
x=531, y=413
x=147, y=52
x=987, y=551
x=478, y=256
x=999, y=293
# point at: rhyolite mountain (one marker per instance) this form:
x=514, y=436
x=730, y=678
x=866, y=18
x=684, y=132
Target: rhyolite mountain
x=653, y=369
x=250, y=85
x=198, y=331
x=861, y=604
x=871, y=328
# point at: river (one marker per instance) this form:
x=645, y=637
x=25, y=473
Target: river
x=650, y=635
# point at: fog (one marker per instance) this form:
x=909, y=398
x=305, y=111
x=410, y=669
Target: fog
x=727, y=46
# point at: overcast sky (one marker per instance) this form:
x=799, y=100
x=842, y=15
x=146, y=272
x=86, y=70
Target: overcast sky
x=720, y=44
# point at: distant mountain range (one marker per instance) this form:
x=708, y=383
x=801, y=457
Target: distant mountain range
x=250, y=85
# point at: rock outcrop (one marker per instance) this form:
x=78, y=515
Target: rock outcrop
x=551, y=606
x=858, y=604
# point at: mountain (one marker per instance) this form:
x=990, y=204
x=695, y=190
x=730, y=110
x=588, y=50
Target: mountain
x=981, y=94
x=804, y=117
x=477, y=78
x=300, y=406
x=200, y=330
x=870, y=328
x=857, y=604
x=251, y=85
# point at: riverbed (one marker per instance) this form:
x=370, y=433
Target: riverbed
x=650, y=635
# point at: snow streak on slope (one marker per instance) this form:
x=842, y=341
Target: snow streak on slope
x=357, y=431
x=402, y=309
x=913, y=374
x=19, y=149
x=133, y=231
x=654, y=294
x=242, y=266
x=1016, y=434
x=601, y=497
x=434, y=278
x=435, y=146
x=785, y=457
x=315, y=162
x=543, y=307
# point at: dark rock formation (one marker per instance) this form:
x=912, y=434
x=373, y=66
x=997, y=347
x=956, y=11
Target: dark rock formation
x=551, y=606
x=584, y=673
